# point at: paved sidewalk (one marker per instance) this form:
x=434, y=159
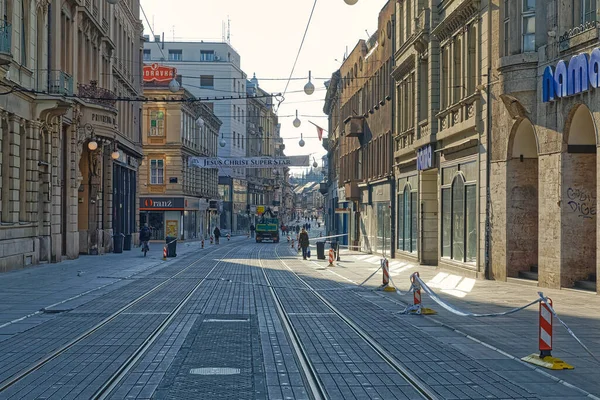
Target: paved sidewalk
x=36, y=294
x=515, y=335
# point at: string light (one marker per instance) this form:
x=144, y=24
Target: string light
x=297, y=121
x=301, y=142
x=351, y=2
x=309, y=88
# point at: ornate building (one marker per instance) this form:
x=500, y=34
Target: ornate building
x=67, y=144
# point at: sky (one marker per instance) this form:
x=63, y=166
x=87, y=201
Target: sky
x=267, y=35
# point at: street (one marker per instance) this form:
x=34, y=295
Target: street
x=254, y=321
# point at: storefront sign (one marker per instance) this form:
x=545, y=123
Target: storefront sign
x=425, y=158
x=568, y=79
x=260, y=210
x=249, y=162
x=161, y=203
x=158, y=73
x=104, y=119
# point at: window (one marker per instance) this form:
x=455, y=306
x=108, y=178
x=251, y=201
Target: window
x=528, y=25
x=207, y=55
x=207, y=81
x=157, y=172
x=157, y=123
x=175, y=55
x=506, y=27
x=147, y=55
x=587, y=11
x=459, y=213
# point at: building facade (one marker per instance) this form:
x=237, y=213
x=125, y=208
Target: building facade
x=212, y=70
x=544, y=168
x=67, y=143
x=176, y=197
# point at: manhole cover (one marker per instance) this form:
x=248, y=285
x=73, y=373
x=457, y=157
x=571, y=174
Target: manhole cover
x=215, y=371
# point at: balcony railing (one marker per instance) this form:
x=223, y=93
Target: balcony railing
x=5, y=37
x=55, y=82
x=578, y=34
x=96, y=95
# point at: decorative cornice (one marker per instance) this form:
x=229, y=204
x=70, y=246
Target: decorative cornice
x=457, y=19
x=405, y=67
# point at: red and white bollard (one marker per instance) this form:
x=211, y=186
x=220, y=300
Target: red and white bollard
x=165, y=253
x=202, y=242
x=417, y=307
x=211, y=239
x=331, y=257
x=292, y=243
x=545, y=334
x=228, y=237
x=385, y=266
x=545, y=358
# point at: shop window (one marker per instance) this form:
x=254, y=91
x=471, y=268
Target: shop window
x=407, y=219
x=459, y=218
x=157, y=123
x=157, y=172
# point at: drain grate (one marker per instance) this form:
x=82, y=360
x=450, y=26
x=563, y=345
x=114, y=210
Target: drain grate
x=215, y=371
x=226, y=320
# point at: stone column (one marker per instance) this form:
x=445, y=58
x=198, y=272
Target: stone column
x=33, y=174
x=12, y=214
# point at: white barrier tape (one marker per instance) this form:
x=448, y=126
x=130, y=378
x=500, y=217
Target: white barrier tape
x=398, y=292
x=328, y=237
x=545, y=301
x=456, y=311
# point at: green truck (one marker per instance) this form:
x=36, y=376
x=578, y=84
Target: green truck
x=267, y=229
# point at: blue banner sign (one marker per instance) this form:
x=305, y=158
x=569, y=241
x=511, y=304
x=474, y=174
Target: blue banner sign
x=425, y=158
x=581, y=73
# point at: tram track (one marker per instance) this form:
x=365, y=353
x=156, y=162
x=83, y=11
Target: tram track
x=105, y=389
x=317, y=388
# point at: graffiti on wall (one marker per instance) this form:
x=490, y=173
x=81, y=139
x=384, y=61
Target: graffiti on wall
x=582, y=202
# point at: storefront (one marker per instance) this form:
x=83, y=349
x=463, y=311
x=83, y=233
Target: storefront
x=458, y=208
x=375, y=218
x=164, y=215
x=124, y=196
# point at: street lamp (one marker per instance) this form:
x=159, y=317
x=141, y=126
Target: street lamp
x=222, y=142
x=315, y=165
x=297, y=121
x=309, y=88
x=115, y=154
x=174, y=86
x=350, y=2
x=92, y=144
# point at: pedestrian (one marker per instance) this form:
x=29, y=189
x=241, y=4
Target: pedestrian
x=145, y=234
x=303, y=242
x=217, y=233
x=252, y=229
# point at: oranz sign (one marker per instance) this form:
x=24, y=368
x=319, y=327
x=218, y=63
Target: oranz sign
x=581, y=73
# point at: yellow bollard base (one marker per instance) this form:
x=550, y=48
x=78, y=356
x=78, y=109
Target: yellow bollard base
x=388, y=288
x=548, y=362
x=424, y=311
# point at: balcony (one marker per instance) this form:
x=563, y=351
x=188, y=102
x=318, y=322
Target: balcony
x=55, y=82
x=5, y=43
x=354, y=126
x=96, y=95
x=579, y=35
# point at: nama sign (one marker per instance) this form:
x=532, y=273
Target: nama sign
x=159, y=73
x=581, y=73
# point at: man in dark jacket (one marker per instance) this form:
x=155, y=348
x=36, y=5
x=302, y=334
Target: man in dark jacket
x=145, y=234
x=217, y=233
x=304, y=243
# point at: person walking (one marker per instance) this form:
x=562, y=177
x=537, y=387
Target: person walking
x=252, y=229
x=217, y=233
x=303, y=241
x=145, y=234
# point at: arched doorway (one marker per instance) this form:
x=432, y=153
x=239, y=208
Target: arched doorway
x=578, y=205
x=522, y=203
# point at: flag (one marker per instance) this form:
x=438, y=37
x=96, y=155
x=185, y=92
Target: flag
x=319, y=130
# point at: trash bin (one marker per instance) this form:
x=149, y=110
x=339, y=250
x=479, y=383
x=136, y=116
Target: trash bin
x=127, y=242
x=321, y=250
x=171, y=246
x=118, y=243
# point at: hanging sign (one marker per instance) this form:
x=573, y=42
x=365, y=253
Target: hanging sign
x=249, y=162
x=425, y=158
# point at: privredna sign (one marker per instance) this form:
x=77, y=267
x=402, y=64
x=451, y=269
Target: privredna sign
x=158, y=73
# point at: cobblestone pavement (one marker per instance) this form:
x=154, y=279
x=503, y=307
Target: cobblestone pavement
x=208, y=325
